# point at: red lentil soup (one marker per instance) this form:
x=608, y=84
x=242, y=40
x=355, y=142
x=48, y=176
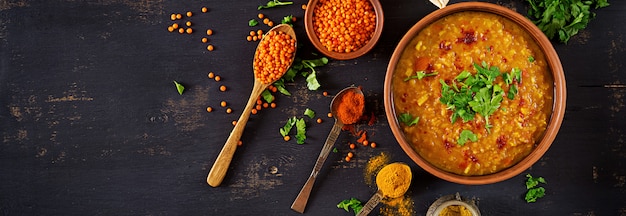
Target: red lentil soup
x=441, y=52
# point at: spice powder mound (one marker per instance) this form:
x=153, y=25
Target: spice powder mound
x=350, y=107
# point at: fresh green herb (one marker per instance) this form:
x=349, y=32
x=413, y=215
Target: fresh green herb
x=534, y=192
x=311, y=81
x=408, y=120
x=311, y=77
x=352, y=203
x=469, y=94
x=284, y=131
x=563, y=17
x=280, y=85
x=335, y=150
x=310, y=113
x=420, y=75
x=273, y=3
x=287, y=20
x=300, y=131
x=179, y=87
x=253, y=22
x=297, y=67
x=531, y=59
x=267, y=96
x=466, y=135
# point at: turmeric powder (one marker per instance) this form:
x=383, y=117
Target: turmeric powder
x=394, y=180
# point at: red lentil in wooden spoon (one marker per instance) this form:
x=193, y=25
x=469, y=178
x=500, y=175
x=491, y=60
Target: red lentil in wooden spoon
x=272, y=58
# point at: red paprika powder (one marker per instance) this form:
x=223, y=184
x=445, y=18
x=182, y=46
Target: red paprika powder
x=350, y=108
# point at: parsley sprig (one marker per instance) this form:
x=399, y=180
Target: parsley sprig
x=563, y=18
x=534, y=192
x=470, y=94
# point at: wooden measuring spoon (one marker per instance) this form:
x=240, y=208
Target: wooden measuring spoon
x=218, y=171
x=394, y=186
x=300, y=203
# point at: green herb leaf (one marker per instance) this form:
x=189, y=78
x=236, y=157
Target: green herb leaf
x=311, y=81
x=466, y=135
x=179, y=87
x=408, y=120
x=420, y=75
x=335, y=150
x=284, y=131
x=288, y=20
x=267, y=96
x=563, y=17
x=300, y=131
x=253, y=22
x=352, y=203
x=280, y=85
x=273, y=3
x=531, y=59
x=534, y=192
x=310, y=113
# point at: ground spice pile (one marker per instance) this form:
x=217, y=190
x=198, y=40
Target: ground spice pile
x=350, y=108
x=394, y=179
x=402, y=205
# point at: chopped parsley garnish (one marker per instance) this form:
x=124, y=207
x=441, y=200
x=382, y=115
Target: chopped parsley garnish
x=352, y=203
x=267, y=96
x=309, y=112
x=466, y=135
x=297, y=67
x=468, y=95
x=531, y=59
x=273, y=3
x=534, y=192
x=179, y=87
x=408, y=120
x=420, y=75
x=563, y=18
x=287, y=20
x=253, y=22
x=300, y=129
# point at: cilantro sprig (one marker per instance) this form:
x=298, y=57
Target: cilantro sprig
x=299, y=66
x=408, y=119
x=300, y=129
x=353, y=203
x=563, y=18
x=273, y=3
x=534, y=192
x=470, y=94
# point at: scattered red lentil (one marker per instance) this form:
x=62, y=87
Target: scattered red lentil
x=266, y=105
x=189, y=30
x=273, y=105
x=325, y=93
x=204, y=9
x=210, y=47
x=181, y=30
x=211, y=75
x=319, y=120
x=223, y=88
x=189, y=14
x=352, y=146
x=261, y=16
x=175, y=25
x=249, y=38
x=223, y=104
x=218, y=78
x=266, y=21
x=229, y=110
x=173, y=17
x=179, y=16
x=204, y=40
x=209, y=32
x=234, y=122
x=258, y=107
x=347, y=159
x=373, y=145
x=170, y=28
x=270, y=23
x=209, y=109
x=330, y=115
x=286, y=138
x=254, y=111
x=239, y=143
x=365, y=143
x=188, y=23
x=303, y=7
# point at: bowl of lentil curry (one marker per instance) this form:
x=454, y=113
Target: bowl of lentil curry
x=474, y=93
x=343, y=29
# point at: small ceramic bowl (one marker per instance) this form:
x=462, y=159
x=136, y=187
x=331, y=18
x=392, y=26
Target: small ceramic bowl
x=308, y=24
x=558, y=106
x=454, y=201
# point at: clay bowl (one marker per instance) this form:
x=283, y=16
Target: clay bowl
x=558, y=106
x=308, y=24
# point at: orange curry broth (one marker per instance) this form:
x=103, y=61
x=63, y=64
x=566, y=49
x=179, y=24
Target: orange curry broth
x=450, y=46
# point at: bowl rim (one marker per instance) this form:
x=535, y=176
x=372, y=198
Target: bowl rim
x=558, y=106
x=308, y=25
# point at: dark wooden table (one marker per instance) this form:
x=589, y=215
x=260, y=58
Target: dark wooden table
x=91, y=123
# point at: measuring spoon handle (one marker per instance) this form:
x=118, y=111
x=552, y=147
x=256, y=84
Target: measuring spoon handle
x=303, y=197
x=371, y=204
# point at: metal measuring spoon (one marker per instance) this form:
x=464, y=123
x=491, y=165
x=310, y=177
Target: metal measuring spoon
x=300, y=203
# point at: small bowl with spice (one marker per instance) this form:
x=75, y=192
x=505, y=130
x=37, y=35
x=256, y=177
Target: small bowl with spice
x=474, y=93
x=453, y=205
x=343, y=30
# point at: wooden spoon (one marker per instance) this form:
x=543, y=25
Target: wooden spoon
x=218, y=171
x=402, y=185
x=300, y=203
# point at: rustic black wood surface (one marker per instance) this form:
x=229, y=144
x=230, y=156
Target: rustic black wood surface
x=91, y=123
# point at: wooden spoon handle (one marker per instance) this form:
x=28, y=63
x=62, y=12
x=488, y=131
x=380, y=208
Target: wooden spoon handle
x=303, y=197
x=218, y=171
x=371, y=204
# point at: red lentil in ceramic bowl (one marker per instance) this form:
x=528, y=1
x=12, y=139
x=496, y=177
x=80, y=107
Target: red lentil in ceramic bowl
x=343, y=30
x=474, y=93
